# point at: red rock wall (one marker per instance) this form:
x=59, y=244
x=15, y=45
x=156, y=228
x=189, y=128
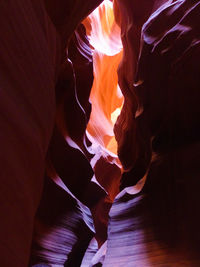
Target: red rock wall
x=32, y=50
x=59, y=175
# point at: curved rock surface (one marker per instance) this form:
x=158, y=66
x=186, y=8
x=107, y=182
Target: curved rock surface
x=162, y=218
x=60, y=184
x=32, y=50
x=131, y=15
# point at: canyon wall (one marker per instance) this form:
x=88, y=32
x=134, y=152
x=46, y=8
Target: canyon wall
x=80, y=185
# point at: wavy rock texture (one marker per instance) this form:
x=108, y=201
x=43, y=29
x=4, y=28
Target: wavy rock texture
x=71, y=164
x=162, y=218
x=60, y=185
x=106, y=97
x=29, y=56
x=32, y=50
x=131, y=15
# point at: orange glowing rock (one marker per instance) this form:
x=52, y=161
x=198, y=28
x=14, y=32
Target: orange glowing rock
x=104, y=36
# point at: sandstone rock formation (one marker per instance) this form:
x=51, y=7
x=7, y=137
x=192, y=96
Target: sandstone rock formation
x=67, y=198
x=34, y=39
x=162, y=218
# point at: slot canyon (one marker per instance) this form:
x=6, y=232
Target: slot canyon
x=100, y=122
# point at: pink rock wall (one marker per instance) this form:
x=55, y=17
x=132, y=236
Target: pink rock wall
x=58, y=184
x=31, y=54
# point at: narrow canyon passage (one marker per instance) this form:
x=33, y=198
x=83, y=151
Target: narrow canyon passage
x=100, y=130
x=99, y=53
